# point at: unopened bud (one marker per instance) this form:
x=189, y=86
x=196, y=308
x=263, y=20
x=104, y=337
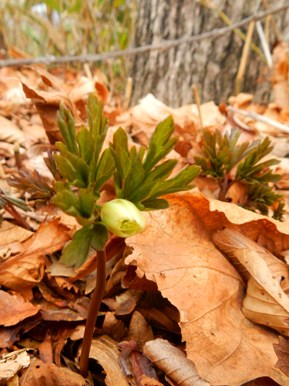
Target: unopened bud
x=122, y=217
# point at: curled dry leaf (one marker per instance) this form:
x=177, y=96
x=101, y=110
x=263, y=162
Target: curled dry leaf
x=176, y=252
x=26, y=269
x=47, y=104
x=59, y=91
x=105, y=351
x=13, y=362
x=139, y=329
x=216, y=215
x=173, y=362
x=46, y=374
x=134, y=363
x=265, y=301
x=14, y=309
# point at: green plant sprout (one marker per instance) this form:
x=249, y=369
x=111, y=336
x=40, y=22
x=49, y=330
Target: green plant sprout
x=229, y=162
x=141, y=177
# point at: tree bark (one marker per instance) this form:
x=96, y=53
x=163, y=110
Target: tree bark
x=212, y=64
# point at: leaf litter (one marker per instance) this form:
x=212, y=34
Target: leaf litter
x=200, y=297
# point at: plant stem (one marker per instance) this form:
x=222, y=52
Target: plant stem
x=93, y=312
x=223, y=183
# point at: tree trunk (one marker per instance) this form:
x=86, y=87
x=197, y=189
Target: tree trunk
x=212, y=64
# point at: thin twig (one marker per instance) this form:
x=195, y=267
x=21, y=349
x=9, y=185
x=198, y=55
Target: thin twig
x=198, y=103
x=264, y=44
x=281, y=126
x=244, y=58
x=17, y=216
x=162, y=46
x=93, y=312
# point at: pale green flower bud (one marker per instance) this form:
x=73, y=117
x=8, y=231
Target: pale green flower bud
x=122, y=217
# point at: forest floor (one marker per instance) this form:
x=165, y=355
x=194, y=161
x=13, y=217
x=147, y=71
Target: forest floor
x=200, y=297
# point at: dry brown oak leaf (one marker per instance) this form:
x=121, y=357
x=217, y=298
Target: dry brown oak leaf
x=177, y=253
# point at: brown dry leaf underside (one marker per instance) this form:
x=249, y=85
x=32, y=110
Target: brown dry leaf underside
x=177, y=253
x=265, y=302
x=26, y=269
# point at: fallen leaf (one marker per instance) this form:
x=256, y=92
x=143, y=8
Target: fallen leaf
x=11, y=237
x=105, y=351
x=113, y=327
x=134, y=363
x=176, y=252
x=139, y=329
x=13, y=362
x=14, y=309
x=11, y=233
x=9, y=132
x=48, y=374
x=282, y=351
x=265, y=301
x=26, y=269
x=56, y=91
x=173, y=362
x=216, y=215
x=9, y=335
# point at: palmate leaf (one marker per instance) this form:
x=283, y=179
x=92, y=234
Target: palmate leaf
x=182, y=181
x=80, y=161
x=140, y=177
x=221, y=153
x=251, y=169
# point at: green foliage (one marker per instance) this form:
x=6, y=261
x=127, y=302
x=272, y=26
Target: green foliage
x=76, y=252
x=82, y=167
x=141, y=178
x=222, y=154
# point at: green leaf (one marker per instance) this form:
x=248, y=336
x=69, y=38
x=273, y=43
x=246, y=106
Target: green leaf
x=65, y=199
x=76, y=251
x=97, y=123
x=179, y=183
x=154, y=204
x=121, y=155
x=105, y=169
x=84, y=140
x=71, y=167
x=99, y=236
x=135, y=176
x=66, y=125
x=153, y=179
x=160, y=143
x=86, y=203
